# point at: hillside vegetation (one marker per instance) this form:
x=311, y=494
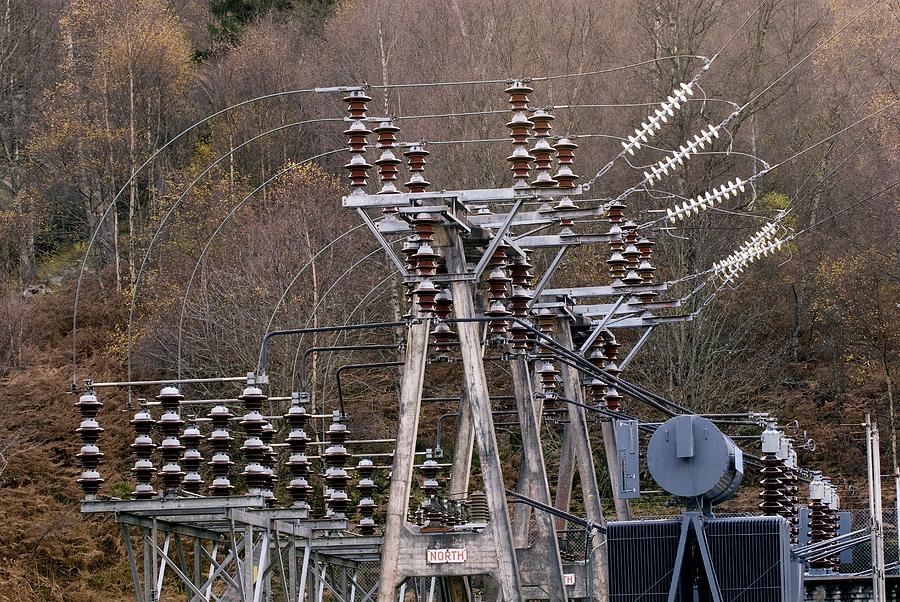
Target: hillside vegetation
x=91, y=89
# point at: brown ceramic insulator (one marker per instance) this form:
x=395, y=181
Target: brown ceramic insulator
x=615, y=212
x=499, y=259
x=424, y=224
x=519, y=127
x=791, y=511
x=597, y=391
x=611, y=349
x=547, y=374
x=220, y=440
x=357, y=104
x=632, y=255
x=498, y=325
x=617, y=264
x=597, y=388
x=442, y=337
x=520, y=271
x=518, y=334
x=335, y=458
x=565, y=156
x=387, y=162
x=615, y=241
x=795, y=506
x=298, y=488
x=426, y=260
x=646, y=271
x=443, y=304
x=498, y=282
x=819, y=531
x=365, y=487
x=425, y=293
x=143, y=447
x=542, y=151
x=613, y=399
x=357, y=135
x=357, y=138
x=566, y=204
x=416, y=158
x=632, y=278
x=629, y=232
x=771, y=487
x=546, y=322
x=358, y=168
x=645, y=246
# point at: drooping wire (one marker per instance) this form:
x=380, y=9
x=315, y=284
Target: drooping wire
x=218, y=231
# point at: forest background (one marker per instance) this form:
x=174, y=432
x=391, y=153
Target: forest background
x=89, y=89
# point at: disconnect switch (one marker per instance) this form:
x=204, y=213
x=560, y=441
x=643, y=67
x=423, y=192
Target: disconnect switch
x=628, y=453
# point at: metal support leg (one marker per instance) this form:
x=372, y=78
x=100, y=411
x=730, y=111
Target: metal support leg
x=462, y=450
x=585, y=459
x=402, y=470
x=132, y=563
x=475, y=382
x=546, y=551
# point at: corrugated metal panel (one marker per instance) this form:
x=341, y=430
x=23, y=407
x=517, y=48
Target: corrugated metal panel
x=641, y=559
x=750, y=557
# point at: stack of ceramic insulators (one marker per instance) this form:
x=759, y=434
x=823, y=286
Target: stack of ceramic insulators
x=645, y=268
x=387, y=163
x=542, y=151
x=297, y=418
x=565, y=153
x=170, y=448
x=772, y=485
x=430, y=470
x=596, y=387
x=631, y=254
x=519, y=126
x=426, y=263
x=416, y=156
x=521, y=277
x=819, y=524
x=335, y=458
x=357, y=135
x=831, y=518
x=297, y=440
x=442, y=336
x=498, y=283
x=365, y=486
x=267, y=435
x=545, y=365
x=220, y=441
x=143, y=447
x=256, y=453
x=615, y=213
x=192, y=459
x=791, y=512
x=612, y=398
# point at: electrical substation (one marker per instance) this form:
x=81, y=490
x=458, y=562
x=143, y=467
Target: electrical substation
x=259, y=496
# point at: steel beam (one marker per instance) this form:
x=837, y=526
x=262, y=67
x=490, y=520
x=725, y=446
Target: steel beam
x=584, y=457
x=411, y=385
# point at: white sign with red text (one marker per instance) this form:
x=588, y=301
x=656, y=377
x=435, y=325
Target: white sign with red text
x=568, y=579
x=445, y=556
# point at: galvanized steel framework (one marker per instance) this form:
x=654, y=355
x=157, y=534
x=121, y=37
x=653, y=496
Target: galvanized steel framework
x=470, y=290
